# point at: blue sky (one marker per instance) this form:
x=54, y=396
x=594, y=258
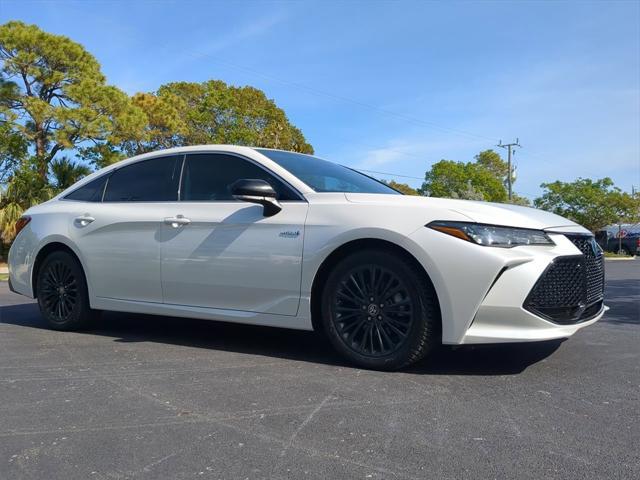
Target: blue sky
x=396, y=86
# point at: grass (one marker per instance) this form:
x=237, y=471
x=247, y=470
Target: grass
x=616, y=255
x=4, y=277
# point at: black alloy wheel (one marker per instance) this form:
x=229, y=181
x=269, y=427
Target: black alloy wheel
x=62, y=292
x=372, y=310
x=59, y=291
x=380, y=310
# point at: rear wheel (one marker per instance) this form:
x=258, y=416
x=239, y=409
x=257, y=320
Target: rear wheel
x=62, y=292
x=379, y=311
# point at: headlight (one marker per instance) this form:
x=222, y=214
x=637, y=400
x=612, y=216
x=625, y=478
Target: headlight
x=492, y=235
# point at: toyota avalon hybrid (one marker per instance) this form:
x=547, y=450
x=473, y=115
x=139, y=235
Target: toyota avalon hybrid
x=281, y=239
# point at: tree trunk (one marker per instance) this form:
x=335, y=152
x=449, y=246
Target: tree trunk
x=41, y=154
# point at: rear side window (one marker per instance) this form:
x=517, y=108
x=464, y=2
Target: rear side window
x=208, y=177
x=154, y=180
x=90, y=192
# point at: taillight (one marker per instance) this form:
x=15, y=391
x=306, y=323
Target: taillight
x=21, y=223
x=638, y=242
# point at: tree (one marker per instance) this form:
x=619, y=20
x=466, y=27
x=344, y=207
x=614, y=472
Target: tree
x=13, y=150
x=53, y=95
x=24, y=189
x=485, y=179
x=493, y=162
x=591, y=203
x=401, y=187
x=518, y=200
x=66, y=172
x=187, y=113
x=626, y=206
x=469, y=181
x=220, y=113
x=468, y=192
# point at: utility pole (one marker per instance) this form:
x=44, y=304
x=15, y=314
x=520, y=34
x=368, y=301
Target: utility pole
x=509, y=147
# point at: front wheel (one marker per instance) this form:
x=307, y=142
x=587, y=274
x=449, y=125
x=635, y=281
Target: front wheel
x=62, y=292
x=380, y=311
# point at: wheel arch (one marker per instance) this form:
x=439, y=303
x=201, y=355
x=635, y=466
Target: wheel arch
x=45, y=250
x=346, y=249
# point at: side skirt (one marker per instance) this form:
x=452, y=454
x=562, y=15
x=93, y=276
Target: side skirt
x=222, y=315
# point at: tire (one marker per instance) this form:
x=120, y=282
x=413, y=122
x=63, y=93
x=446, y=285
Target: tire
x=395, y=329
x=62, y=293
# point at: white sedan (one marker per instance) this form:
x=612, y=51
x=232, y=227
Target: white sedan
x=277, y=238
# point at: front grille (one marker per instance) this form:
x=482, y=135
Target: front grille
x=571, y=290
x=594, y=266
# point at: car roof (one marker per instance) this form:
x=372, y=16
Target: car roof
x=250, y=152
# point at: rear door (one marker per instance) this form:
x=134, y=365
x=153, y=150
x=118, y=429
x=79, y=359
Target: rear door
x=120, y=236
x=225, y=253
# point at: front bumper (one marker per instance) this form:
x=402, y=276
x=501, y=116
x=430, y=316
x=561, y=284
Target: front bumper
x=482, y=291
x=565, y=282
x=502, y=324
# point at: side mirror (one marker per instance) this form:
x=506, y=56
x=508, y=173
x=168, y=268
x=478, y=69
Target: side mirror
x=257, y=191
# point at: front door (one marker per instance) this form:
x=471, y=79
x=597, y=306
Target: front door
x=221, y=253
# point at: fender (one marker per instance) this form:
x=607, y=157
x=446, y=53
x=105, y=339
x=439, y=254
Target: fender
x=66, y=242
x=313, y=261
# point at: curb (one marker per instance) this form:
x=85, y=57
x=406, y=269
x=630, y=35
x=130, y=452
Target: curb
x=622, y=259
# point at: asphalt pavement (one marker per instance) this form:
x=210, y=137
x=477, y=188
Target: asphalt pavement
x=155, y=398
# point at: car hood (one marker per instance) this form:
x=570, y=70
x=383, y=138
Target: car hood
x=481, y=212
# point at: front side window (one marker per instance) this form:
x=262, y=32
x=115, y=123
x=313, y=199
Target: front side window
x=90, y=192
x=209, y=177
x=154, y=180
x=323, y=176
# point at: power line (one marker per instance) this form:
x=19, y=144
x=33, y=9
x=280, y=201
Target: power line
x=377, y=109
x=374, y=108
x=382, y=111
x=323, y=93
x=388, y=174
x=363, y=170
x=317, y=92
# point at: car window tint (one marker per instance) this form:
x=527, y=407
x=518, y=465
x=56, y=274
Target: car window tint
x=208, y=177
x=154, y=180
x=90, y=192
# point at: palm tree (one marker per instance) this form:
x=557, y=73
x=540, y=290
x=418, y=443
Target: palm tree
x=66, y=172
x=24, y=189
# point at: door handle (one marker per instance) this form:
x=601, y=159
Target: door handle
x=83, y=220
x=177, y=221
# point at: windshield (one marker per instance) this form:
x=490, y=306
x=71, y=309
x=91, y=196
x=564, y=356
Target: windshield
x=323, y=176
